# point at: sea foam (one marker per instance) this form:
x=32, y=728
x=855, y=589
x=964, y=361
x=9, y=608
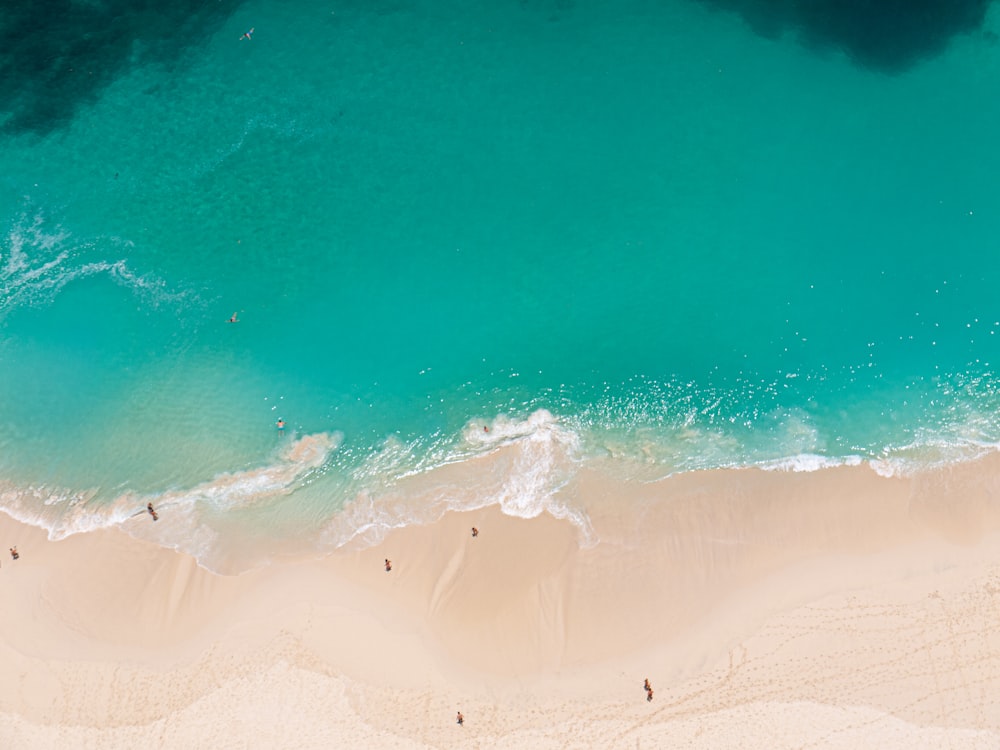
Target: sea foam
x=519, y=465
x=39, y=257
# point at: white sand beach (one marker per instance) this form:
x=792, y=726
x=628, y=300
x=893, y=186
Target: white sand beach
x=832, y=609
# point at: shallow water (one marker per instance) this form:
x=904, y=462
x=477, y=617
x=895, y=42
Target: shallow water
x=648, y=238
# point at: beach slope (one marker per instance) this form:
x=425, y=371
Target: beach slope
x=828, y=609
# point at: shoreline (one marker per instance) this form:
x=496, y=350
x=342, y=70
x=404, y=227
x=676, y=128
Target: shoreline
x=528, y=467
x=768, y=609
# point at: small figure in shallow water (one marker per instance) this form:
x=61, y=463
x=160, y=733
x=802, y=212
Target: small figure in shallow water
x=13, y=553
x=388, y=565
x=281, y=425
x=248, y=35
x=152, y=512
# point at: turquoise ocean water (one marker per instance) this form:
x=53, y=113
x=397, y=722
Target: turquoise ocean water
x=472, y=250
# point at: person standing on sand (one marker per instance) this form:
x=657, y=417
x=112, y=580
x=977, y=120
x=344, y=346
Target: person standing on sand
x=475, y=531
x=460, y=720
x=13, y=553
x=388, y=565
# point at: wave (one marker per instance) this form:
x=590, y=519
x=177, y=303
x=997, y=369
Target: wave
x=520, y=465
x=807, y=462
x=929, y=455
x=190, y=519
x=312, y=496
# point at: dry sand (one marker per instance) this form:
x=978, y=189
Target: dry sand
x=833, y=609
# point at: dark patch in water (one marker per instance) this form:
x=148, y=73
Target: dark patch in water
x=885, y=35
x=56, y=55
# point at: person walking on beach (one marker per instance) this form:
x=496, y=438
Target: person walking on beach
x=388, y=565
x=13, y=553
x=649, y=690
x=152, y=512
x=460, y=720
x=475, y=532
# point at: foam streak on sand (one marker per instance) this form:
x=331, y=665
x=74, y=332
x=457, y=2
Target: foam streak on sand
x=835, y=608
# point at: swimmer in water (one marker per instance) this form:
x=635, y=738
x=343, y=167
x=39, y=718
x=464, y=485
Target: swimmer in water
x=248, y=35
x=281, y=424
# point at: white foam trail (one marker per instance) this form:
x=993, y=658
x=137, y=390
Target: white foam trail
x=807, y=462
x=544, y=452
x=242, y=488
x=929, y=453
x=63, y=513
x=519, y=465
x=37, y=261
x=523, y=466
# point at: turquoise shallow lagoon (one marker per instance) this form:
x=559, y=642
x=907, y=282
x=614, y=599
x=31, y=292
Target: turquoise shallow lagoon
x=646, y=238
